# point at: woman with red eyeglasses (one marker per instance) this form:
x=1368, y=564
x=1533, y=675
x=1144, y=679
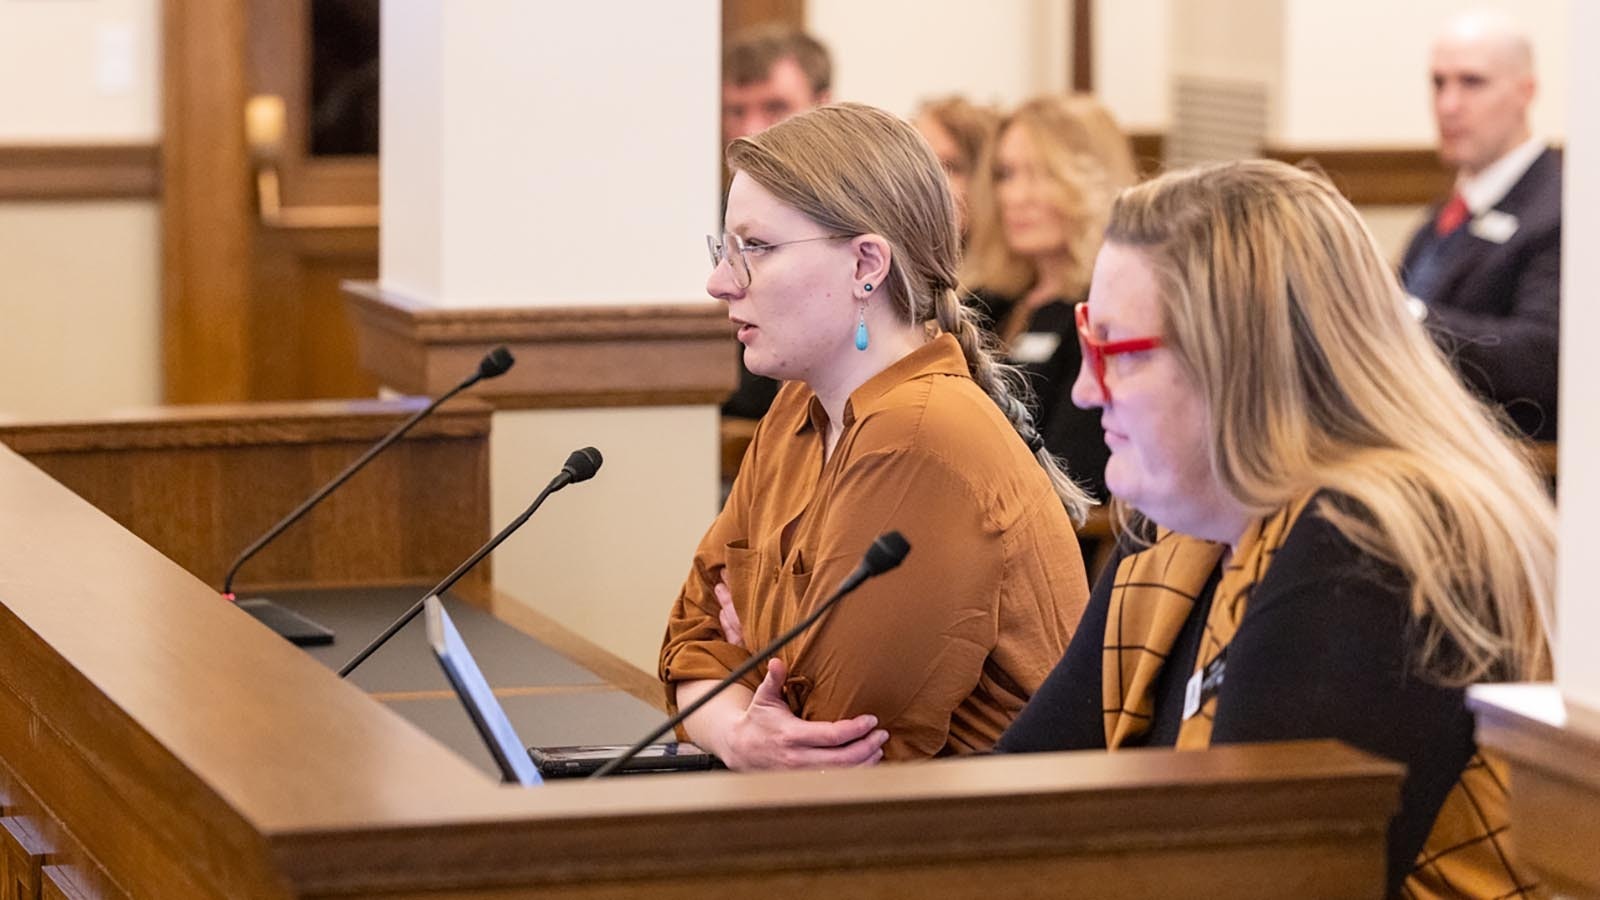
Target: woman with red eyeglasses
x=1329, y=536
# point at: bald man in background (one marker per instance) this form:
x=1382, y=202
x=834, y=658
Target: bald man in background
x=1486, y=267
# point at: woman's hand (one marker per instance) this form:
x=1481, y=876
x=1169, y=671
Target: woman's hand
x=768, y=736
x=732, y=629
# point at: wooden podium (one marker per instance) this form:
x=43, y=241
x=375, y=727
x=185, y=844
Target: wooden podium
x=156, y=742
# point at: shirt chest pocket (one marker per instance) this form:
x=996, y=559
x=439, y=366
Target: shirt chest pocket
x=768, y=594
x=739, y=571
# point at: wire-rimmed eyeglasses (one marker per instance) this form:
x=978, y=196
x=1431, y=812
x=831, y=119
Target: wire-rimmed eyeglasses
x=737, y=251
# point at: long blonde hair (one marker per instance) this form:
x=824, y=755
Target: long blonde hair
x=1276, y=298
x=1087, y=158
x=854, y=169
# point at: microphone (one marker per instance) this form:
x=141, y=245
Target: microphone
x=302, y=631
x=885, y=553
x=580, y=466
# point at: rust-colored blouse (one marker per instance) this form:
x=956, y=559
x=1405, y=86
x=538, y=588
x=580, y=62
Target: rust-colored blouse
x=943, y=650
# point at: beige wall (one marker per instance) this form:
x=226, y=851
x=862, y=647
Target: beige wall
x=1578, y=617
x=597, y=183
x=79, y=281
x=1133, y=47
x=79, y=306
x=1347, y=73
x=597, y=191
x=80, y=72
x=895, y=53
x=606, y=557
x=1228, y=39
x=1355, y=72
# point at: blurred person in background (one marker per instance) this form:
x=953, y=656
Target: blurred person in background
x=958, y=130
x=1486, y=266
x=1039, y=205
x=769, y=73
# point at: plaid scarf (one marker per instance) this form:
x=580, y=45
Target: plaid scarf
x=1467, y=853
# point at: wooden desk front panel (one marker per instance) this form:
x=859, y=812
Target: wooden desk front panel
x=201, y=483
x=182, y=751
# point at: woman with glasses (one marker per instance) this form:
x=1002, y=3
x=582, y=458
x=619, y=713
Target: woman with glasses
x=838, y=267
x=1330, y=537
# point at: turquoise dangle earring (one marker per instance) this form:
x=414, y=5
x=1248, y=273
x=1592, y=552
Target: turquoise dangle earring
x=861, y=323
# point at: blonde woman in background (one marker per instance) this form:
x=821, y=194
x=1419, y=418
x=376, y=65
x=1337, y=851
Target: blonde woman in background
x=838, y=264
x=1039, y=205
x=1343, y=538
x=959, y=131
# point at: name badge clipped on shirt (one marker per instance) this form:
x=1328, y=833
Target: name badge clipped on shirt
x=1203, y=685
x=1495, y=226
x=1035, y=346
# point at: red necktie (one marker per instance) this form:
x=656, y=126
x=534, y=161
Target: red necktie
x=1451, y=215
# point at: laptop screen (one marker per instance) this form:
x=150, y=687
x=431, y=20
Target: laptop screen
x=509, y=753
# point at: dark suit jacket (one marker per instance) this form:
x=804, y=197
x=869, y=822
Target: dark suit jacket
x=1496, y=307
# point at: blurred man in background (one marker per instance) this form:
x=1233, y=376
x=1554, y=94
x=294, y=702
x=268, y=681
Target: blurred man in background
x=769, y=73
x=1486, y=267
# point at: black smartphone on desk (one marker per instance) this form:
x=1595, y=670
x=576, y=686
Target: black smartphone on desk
x=576, y=762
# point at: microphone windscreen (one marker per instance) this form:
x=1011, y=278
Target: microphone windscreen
x=582, y=464
x=886, y=552
x=496, y=362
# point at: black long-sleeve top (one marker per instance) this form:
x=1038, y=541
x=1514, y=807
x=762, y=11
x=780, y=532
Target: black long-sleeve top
x=1324, y=651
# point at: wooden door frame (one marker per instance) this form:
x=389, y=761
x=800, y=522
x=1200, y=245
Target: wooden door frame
x=220, y=340
x=207, y=209
x=1082, y=44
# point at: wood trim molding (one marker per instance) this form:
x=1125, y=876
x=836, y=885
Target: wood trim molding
x=1551, y=746
x=738, y=15
x=1149, y=150
x=1380, y=176
x=626, y=355
x=247, y=425
x=80, y=172
x=1386, y=176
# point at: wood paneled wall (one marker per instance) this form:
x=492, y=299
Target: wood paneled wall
x=587, y=356
x=80, y=172
x=201, y=483
x=1392, y=176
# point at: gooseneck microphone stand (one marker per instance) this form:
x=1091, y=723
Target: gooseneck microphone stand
x=287, y=623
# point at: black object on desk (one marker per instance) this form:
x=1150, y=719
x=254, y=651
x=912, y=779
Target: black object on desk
x=579, y=761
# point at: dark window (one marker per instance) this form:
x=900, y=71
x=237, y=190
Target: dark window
x=344, y=77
